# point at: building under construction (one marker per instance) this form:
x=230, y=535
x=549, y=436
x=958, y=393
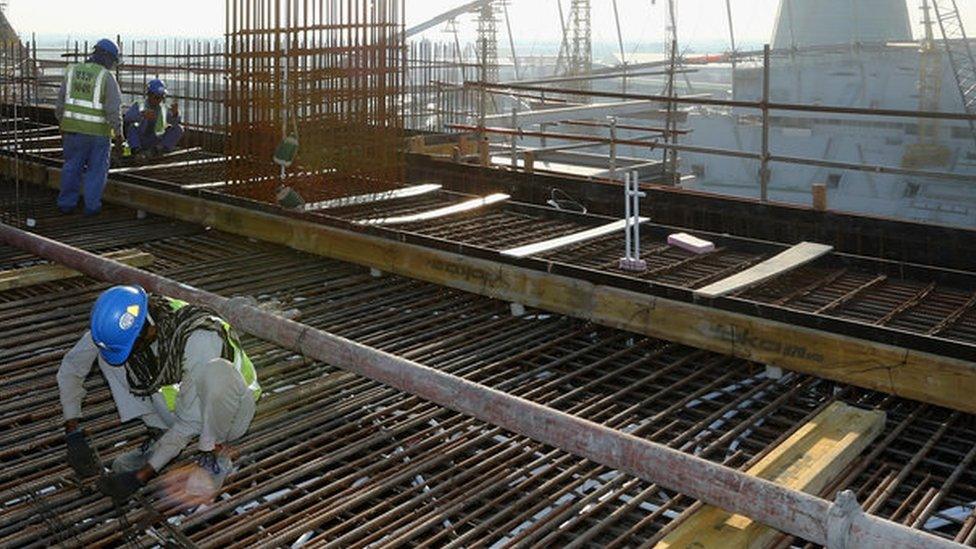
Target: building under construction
x=487, y=299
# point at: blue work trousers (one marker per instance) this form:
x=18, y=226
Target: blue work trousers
x=86, y=161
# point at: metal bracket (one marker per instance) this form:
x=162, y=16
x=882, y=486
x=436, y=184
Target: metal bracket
x=843, y=512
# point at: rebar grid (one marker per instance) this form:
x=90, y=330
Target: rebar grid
x=337, y=460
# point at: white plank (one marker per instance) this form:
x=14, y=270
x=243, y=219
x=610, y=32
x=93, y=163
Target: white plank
x=180, y=152
x=361, y=199
x=210, y=185
x=13, y=140
x=568, y=240
x=446, y=211
x=216, y=184
x=795, y=257
x=11, y=134
x=184, y=164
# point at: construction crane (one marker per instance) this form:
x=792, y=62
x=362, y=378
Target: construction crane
x=488, y=40
x=470, y=7
x=960, y=53
x=580, y=57
x=929, y=150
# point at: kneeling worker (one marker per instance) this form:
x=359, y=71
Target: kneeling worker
x=150, y=126
x=177, y=367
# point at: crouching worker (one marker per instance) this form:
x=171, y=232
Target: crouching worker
x=151, y=127
x=178, y=368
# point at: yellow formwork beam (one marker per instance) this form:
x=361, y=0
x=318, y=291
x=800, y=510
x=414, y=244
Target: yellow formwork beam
x=807, y=461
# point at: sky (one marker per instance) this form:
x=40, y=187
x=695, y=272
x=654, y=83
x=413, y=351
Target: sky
x=535, y=23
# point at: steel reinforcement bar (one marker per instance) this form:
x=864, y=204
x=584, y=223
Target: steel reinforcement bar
x=839, y=524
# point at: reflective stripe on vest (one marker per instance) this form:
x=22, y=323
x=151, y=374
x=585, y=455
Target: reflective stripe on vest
x=84, y=100
x=161, y=123
x=242, y=363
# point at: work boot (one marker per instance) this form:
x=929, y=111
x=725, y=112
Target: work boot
x=204, y=480
x=136, y=459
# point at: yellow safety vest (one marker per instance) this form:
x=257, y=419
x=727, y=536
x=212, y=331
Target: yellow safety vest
x=84, y=109
x=242, y=363
x=161, y=123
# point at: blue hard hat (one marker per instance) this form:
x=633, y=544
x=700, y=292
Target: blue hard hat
x=116, y=321
x=156, y=87
x=108, y=47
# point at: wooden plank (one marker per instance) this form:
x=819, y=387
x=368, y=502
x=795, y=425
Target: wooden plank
x=38, y=274
x=453, y=209
x=896, y=370
x=807, y=461
x=406, y=192
x=568, y=240
x=793, y=258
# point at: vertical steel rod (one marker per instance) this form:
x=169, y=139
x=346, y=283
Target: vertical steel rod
x=764, y=168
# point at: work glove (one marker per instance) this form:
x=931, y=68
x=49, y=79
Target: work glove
x=81, y=457
x=120, y=486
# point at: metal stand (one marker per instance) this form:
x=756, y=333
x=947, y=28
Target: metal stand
x=632, y=195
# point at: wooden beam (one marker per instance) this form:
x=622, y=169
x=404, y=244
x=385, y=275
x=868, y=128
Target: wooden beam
x=568, y=240
x=38, y=274
x=453, y=209
x=807, y=461
x=793, y=258
x=406, y=192
x=896, y=370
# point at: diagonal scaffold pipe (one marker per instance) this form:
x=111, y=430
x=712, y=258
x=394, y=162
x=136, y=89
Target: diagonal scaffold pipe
x=841, y=524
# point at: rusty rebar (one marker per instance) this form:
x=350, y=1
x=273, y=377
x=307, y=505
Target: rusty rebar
x=803, y=515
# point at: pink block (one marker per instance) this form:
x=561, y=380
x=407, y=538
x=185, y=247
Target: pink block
x=690, y=243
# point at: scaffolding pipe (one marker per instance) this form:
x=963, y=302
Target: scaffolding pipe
x=838, y=525
x=686, y=100
x=764, y=160
x=627, y=217
x=870, y=168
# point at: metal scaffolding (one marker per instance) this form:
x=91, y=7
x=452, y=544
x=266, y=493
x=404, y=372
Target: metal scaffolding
x=580, y=41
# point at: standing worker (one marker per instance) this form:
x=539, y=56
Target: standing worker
x=177, y=367
x=150, y=127
x=89, y=109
